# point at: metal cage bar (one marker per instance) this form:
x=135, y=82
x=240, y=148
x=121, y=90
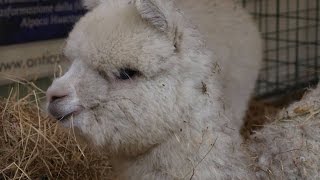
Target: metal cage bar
x=291, y=30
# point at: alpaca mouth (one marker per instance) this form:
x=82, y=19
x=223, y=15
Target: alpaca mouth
x=69, y=115
x=65, y=117
x=62, y=113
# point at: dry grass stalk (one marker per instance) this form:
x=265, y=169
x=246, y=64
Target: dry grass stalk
x=258, y=114
x=33, y=147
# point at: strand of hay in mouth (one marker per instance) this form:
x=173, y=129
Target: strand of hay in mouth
x=34, y=147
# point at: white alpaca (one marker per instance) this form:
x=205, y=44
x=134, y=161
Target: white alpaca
x=289, y=148
x=148, y=81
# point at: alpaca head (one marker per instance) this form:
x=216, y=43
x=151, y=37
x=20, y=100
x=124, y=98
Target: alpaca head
x=132, y=81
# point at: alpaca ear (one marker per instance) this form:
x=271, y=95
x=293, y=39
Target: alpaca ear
x=152, y=12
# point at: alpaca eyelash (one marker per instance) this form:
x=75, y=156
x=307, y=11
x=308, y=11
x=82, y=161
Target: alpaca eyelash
x=103, y=74
x=127, y=73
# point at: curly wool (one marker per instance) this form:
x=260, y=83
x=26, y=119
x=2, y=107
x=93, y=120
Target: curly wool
x=289, y=148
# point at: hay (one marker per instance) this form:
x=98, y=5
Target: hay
x=33, y=147
x=258, y=114
x=289, y=147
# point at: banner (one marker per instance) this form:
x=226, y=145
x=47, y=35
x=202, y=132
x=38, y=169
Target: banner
x=32, y=35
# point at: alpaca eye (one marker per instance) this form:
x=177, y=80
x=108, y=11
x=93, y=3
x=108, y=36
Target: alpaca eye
x=126, y=73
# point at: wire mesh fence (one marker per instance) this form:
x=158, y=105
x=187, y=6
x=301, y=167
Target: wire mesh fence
x=291, y=30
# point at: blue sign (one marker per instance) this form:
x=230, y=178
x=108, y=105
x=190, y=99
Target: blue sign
x=33, y=20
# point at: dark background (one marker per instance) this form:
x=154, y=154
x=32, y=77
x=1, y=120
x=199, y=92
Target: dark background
x=12, y=33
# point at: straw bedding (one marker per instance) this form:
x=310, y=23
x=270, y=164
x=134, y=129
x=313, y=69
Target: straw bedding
x=289, y=147
x=258, y=114
x=33, y=147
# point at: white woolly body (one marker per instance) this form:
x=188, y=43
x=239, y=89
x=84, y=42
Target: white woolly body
x=289, y=148
x=197, y=65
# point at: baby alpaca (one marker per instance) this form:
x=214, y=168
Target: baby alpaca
x=153, y=82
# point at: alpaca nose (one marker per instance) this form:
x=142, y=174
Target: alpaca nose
x=56, y=95
x=57, y=99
